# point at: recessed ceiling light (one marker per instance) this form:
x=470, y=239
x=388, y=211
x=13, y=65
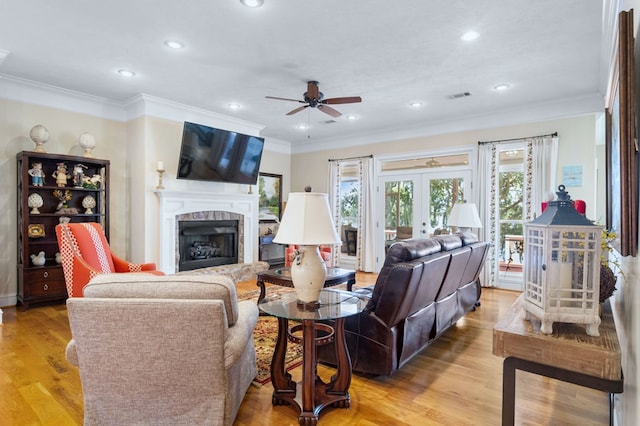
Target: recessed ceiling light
x=302, y=127
x=351, y=117
x=501, y=87
x=416, y=104
x=173, y=44
x=469, y=36
x=252, y=3
x=126, y=73
x=234, y=106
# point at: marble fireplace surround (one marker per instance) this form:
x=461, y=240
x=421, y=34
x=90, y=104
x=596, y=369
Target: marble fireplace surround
x=177, y=205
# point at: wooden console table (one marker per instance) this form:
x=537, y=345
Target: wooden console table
x=568, y=354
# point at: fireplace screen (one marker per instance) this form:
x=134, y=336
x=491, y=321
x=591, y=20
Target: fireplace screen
x=204, y=243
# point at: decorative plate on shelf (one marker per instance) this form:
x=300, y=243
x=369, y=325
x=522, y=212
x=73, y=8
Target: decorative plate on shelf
x=35, y=230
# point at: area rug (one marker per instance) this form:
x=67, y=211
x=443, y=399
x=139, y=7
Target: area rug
x=265, y=335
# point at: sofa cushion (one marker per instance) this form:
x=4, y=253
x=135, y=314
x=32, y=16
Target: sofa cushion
x=400, y=252
x=468, y=238
x=449, y=242
x=212, y=287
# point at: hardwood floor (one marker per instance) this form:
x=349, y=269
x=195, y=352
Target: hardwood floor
x=456, y=381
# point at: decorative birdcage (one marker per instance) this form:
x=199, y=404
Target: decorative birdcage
x=562, y=267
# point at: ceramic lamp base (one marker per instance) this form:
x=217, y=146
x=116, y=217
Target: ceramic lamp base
x=308, y=273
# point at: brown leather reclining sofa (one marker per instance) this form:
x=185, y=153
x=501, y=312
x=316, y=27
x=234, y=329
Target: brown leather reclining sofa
x=423, y=288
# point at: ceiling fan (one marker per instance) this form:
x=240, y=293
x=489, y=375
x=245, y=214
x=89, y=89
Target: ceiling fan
x=314, y=98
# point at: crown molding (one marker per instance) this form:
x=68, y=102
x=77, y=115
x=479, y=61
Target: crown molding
x=148, y=105
x=31, y=92
x=543, y=111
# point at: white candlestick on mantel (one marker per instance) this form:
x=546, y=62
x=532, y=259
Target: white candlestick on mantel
x=160, y=170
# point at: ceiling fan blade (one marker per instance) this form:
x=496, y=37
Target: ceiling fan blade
x=328, y=110
x=345, y=100
x=297, y=110
x=284, y=99
x=312, y=90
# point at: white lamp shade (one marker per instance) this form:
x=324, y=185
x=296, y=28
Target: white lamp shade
x=307, y=221
x=465, y=215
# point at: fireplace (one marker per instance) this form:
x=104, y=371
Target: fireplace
x=204, y=243
x=188, y=206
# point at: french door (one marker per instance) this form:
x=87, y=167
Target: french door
x=417, y=205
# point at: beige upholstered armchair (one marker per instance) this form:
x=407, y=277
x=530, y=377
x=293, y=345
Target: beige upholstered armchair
x=162, y=350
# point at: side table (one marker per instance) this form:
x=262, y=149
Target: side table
x=311, y=395
x=568, y=354
x=282, y=277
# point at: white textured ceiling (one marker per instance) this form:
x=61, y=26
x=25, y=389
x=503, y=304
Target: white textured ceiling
x=389, y=53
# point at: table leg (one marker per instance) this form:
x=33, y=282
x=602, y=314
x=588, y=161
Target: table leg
x=350, y=283
x=281, y=379
x=260, y=283
x=511, y=364
x=508, y=392
x=341, y=380
x=308, y=415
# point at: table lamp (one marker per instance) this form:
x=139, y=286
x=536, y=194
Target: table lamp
x=465, y=216
x=307, y=222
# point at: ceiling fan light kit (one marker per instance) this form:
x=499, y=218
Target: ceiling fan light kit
x=314, y=98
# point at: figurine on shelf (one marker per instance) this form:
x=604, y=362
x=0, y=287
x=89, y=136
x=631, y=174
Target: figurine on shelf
x=58, y=258
x=60, y=175
x=88, y=203
x=78, y=175
x=35, y=201
x=63, y=198
x=38, y=260
x=36, y=173
x=92, y=182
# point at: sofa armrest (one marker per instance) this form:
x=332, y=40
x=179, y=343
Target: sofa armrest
x=70, y=352
x=122, y=265
x=241, y=334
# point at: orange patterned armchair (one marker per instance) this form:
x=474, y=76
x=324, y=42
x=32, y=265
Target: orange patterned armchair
x=85, y=253
x=325, y=253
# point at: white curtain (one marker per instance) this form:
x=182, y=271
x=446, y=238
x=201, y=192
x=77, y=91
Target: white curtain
x=541, y=159
x=366, y=225
x=365, y=253
x=488, y=203
x=540, y=164
x=334, y=202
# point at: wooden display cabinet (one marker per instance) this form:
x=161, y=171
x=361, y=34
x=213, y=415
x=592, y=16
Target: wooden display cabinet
x=38, y=283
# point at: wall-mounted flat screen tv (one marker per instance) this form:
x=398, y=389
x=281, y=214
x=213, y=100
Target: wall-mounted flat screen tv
x=219, y=155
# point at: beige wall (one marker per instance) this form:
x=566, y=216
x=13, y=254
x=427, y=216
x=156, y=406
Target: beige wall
x=576, y=147
x=16, y=120
x=133, y=148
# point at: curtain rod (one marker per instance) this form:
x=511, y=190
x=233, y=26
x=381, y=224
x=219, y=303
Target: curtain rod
x=554, y=134
x=351, y=158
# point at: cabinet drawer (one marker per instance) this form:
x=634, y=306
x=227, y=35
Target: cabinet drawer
x=44, y=282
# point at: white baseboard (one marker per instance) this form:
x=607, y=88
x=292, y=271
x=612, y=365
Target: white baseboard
x=6, y=301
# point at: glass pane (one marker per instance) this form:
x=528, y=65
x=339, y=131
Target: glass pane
x=443, y=194
x=427, y=162
x=511, y=187
x=349, y=205
x=398, y=210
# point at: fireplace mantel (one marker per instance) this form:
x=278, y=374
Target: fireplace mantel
x=176, y=203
